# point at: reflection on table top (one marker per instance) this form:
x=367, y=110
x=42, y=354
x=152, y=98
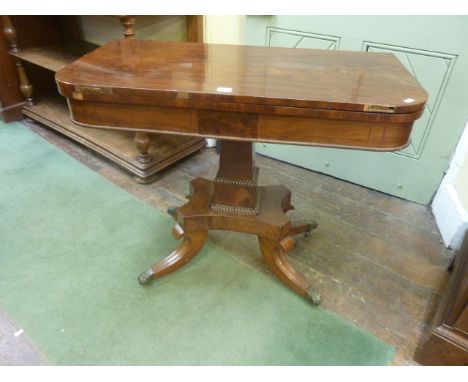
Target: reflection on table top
x=320, y=79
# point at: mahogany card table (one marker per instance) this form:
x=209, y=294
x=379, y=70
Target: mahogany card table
x=241, y=95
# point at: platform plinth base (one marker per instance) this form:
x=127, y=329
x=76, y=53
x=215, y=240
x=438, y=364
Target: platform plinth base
x=266, y=219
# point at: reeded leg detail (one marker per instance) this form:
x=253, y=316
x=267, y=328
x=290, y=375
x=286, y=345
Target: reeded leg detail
x=192, y=244
x=273, y=254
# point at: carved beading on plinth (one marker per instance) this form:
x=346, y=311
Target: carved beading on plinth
x=248, y=183
x=233, y=210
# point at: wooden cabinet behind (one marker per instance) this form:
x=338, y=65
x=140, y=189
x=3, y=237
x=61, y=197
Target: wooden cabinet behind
x=41, y=45
x=11, y=100
x=448, y=341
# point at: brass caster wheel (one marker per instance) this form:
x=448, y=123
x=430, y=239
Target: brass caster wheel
x=310, y=227
x=314, y=297
x=172, y=211
x=146, y=277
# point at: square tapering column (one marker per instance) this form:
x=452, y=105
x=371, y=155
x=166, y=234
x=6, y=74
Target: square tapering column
x=235, y=184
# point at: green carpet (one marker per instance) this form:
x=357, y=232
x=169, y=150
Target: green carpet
x=72, y=246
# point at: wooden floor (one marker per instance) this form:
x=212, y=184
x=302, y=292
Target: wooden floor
x=378, y=260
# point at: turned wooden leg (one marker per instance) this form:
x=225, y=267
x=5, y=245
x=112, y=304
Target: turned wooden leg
x=128, y=22
x=25, y=85
x=142, y=142
x=10, y=34
x=273, y=254
x=192, y=244
x=301, y=226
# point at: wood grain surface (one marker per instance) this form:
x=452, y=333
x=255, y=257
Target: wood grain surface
x=311, y=78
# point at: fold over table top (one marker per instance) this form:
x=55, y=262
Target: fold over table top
x=308, y=83
x=310, y=78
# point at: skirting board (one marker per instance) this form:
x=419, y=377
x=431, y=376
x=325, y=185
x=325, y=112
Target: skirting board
x=450, y=216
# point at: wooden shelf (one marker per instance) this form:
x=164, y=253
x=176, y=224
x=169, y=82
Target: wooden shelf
x=48, y=43
x=54, y=57
x=119, y=146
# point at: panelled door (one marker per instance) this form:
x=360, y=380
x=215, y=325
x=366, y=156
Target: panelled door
x=433, y=48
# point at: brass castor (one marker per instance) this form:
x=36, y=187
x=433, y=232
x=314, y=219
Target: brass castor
x=146, y=277
x=172, y=211
x=314, y=297
x=310, y=227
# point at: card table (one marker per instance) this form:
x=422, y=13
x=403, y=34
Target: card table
x=241, y=95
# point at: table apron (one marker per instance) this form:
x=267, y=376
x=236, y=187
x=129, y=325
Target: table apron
x=383, y=136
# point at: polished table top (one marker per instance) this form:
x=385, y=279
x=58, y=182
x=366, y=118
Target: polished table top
x=299, y=96
x=324, y=79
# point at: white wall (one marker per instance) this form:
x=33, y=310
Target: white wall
x=460, y=183
x=225, y=29
x=450, y=205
